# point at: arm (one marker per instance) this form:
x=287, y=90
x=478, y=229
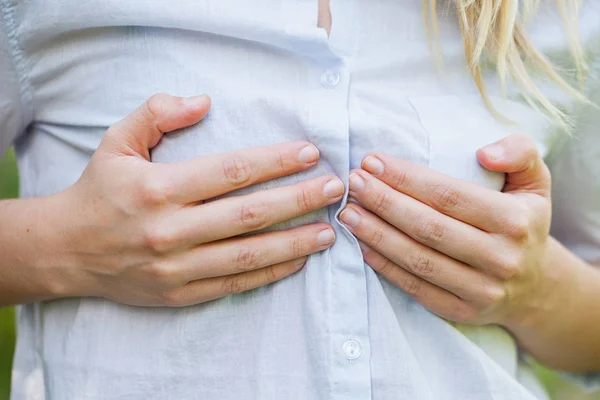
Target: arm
x=563, y=330
x=146, y=234
x=29, y=234
x=477, y=256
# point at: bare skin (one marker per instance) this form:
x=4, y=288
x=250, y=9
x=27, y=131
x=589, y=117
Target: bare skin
x=140, y=233
x=477, y=256
x=496, y=263
x=324, y=20
x=464, y=277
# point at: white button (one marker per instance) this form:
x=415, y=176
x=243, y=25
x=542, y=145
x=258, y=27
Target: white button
x=330, y=79
x=352, y=349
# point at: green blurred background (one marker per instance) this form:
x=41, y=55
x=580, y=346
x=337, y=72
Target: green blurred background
x=8, y=188
x=558, y=389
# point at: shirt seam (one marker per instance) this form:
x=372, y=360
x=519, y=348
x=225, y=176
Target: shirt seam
x=18, y=61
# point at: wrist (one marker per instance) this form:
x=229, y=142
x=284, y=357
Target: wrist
x=549, y=295
x=31, y=249
x=560, y=331
x=55, y=257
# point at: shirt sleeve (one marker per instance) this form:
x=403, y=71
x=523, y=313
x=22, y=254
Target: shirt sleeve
x=15, y=115
x=575, y=168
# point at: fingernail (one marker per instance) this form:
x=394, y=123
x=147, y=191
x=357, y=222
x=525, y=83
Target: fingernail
x=373, y=165
x=363, y=247
x=325, y=238
x=357, y=184
x=494, y=151
x=350, y=217
x=309, y=154
x=196, y=101
x=334, y=188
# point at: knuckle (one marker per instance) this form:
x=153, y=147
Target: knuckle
x=382, y=204
x=254, y=216
x=508, y=265
x=153, y=192
x=160, y=272
x=237, y=170
x=493, y=294
x=519, y=223
x=248, y=259
x=376, y=237
x=511, y=267
x=529, y=147
x=296, y=246
x=280, y=162
x=529, y=150
x=412, y=285
x=154, y=107
x=429, y=231
x=525, y=141
x=112, y=133
x=383, y=266
x=445, y=197
x=235, y=284
x=305, y=200
x=532, y=154
x=271, y=274
x=421, y=263
x=401, y=180
x=159, y=240
x=156, y=102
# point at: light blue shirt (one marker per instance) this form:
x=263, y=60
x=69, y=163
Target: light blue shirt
x=336, y=330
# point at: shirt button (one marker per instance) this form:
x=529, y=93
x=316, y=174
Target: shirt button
x=352, y=349
x=330, y=79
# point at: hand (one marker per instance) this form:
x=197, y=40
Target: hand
x=467, y=253
x=143, y=233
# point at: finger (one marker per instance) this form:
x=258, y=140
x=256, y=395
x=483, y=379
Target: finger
x=236, y=255
x=454, y=276
x=233, y=216
x=518, y=157
x=211, y=176
x=449, y=236
x=463, y=200
x=204, y=290
x=432, y=297
x=140, y=131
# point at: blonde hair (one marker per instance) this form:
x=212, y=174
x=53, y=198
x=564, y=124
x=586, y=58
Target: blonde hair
x=493, y=30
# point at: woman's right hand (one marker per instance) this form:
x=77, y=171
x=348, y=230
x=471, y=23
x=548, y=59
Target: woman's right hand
x=146, y=234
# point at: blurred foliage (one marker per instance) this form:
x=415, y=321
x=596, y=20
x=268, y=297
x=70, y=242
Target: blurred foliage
x=7, y=342
x=559, y=389
x=9, y=183
x=8, y=188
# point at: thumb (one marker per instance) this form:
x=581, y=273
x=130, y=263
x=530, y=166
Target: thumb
x=141, y=130
x=518, y=157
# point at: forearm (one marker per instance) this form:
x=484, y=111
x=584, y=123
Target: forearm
x=30, y=235
x=562, y=331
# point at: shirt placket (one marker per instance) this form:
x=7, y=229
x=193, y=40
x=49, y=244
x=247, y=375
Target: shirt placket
x=349, y=342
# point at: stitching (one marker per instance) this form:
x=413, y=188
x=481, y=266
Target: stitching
x=19, y=62
x=7, y=23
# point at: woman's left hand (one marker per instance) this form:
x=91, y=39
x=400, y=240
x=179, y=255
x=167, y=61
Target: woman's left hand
x=467, y=253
